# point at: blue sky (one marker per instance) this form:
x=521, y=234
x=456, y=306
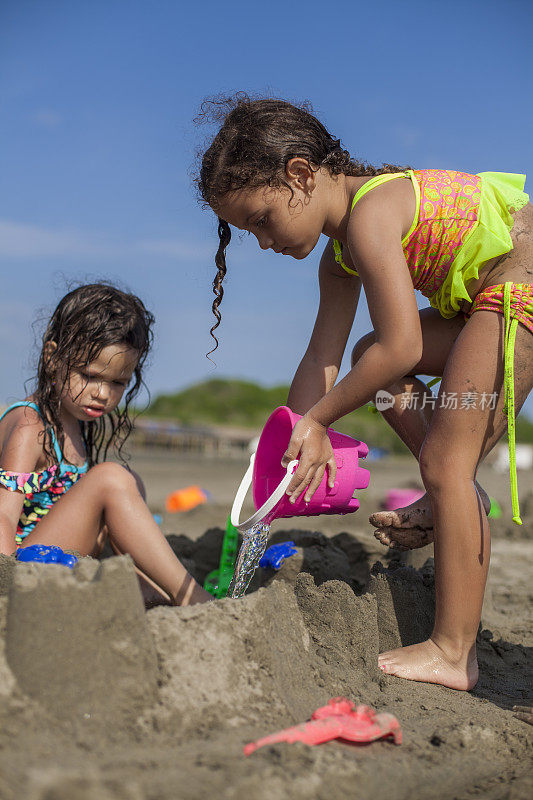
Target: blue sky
x=97, y=145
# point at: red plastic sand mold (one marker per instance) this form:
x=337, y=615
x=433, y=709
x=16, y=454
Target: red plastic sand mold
x=339, y=719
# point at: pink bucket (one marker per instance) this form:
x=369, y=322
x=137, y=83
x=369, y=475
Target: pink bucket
x=270, y=480
x=398, y=498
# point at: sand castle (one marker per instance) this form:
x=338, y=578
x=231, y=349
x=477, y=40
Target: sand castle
x=114, y=702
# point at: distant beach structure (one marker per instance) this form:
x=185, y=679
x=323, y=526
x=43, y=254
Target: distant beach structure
x=524, y=457
x=209, y=441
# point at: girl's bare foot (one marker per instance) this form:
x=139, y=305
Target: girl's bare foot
x=429, y=663
x=412, y=526
x=404, y=538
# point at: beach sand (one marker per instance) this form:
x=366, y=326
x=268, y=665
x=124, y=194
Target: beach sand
x=102, y=700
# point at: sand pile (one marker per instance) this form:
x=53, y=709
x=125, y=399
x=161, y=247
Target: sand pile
x=73, y=669
x=102, y=701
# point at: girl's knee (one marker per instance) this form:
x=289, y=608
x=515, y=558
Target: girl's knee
x=113, y=477
x=430, y=461
x=440, y=466
x=428, y=471
x=362, y=346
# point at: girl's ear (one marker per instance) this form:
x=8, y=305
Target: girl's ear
x=300, y=175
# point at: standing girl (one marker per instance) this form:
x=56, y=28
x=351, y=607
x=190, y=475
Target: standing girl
x=466, y=242
x=52, y=490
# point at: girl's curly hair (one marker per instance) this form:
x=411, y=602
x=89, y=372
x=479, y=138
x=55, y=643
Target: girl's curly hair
x=256, y=140
x=85, y=321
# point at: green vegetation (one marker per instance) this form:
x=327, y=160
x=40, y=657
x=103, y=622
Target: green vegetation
x=221, y=402
x=245, y=404
x=248, y=405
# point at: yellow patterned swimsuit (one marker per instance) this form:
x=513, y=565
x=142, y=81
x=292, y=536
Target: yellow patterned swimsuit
x=461, y=222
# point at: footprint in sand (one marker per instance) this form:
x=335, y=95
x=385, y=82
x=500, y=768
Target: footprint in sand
x=411, y=527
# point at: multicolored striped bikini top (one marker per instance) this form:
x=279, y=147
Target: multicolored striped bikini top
x=447, y=207
x=40, y=489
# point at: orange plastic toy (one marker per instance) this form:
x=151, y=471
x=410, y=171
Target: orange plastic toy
x=185, y=499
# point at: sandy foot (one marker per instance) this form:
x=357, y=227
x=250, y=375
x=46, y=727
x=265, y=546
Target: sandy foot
x=427, y=662
x=412, y=526
x=404, y=539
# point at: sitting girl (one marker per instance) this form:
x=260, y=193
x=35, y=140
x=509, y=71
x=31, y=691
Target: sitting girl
x=53, y=491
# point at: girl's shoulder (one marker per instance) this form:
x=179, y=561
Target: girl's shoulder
x=21, y=439
x=21, y=416
x=387, y=205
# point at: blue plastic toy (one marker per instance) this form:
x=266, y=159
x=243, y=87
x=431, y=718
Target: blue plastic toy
x=276, y=554
x=46, y=554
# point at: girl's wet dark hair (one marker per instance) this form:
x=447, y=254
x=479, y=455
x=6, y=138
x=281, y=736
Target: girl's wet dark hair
x=85, y=321
x=256, y=140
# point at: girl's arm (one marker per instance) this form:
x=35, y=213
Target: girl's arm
x=318, y=369
x=374, y=241
x=21, y=452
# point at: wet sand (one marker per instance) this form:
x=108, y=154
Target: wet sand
x=101, y=700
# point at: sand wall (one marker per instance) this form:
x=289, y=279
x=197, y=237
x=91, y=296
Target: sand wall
x=102, y=701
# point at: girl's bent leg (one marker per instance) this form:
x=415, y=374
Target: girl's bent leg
x=454, y=445
x=109, y=495
x=410, y=418
x=412, y=526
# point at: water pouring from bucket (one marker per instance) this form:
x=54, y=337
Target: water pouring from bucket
x=269, y=481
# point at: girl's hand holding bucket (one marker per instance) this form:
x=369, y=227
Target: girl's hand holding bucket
x=270, y=475
x=311, y=445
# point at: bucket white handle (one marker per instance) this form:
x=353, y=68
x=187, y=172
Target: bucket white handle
x=267, y=507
